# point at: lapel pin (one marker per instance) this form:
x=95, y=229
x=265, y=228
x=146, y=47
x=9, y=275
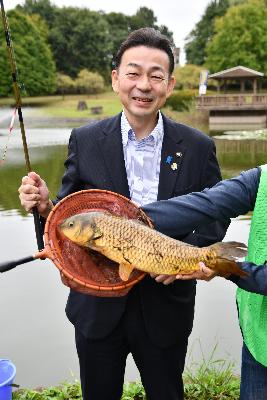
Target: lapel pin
x=179, y=154
x=169, y=159
x=174, y=166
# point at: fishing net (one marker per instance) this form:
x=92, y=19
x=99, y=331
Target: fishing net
x=82, y=269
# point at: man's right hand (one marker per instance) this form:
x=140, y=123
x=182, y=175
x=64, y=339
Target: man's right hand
x=33, y=192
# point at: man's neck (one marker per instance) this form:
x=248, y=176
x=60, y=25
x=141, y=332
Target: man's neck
x=142, y=127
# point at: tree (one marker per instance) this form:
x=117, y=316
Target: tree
x=34, y=59
x=143, y=17
x=187, y=77
x=203, y=32
x=44, y=8
x=84, y=39
x=121, y=25
x=240, y=38
x=80, y=39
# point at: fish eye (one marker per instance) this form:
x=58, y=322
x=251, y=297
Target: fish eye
x=71, y=223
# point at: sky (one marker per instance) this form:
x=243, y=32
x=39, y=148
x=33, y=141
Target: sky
x=180, y=16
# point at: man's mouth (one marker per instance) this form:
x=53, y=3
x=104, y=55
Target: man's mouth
x=142, y=99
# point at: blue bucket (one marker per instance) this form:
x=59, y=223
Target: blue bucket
x=7, y=374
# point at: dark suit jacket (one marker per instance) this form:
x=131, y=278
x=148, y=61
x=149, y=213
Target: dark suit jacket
x=96, y=160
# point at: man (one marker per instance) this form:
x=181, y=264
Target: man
x=231, y=198
x=144, y=156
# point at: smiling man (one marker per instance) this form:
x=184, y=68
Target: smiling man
x=144, y=156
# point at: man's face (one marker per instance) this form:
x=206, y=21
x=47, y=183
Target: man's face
x=142, y=81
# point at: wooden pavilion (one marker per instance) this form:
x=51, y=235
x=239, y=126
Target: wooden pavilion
x=229, y=109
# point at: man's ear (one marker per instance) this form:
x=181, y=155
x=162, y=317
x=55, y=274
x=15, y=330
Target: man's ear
x=171, y=84
x=114, y=80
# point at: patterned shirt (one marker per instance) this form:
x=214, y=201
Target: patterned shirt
x=142, y=161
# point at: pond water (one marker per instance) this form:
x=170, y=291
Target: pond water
x=34, y=332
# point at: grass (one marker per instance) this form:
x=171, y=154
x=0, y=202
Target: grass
x=66, y=107
x=212, y=379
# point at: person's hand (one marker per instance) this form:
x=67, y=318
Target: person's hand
x=204, y=273
x=33, y=192
x=165, y=279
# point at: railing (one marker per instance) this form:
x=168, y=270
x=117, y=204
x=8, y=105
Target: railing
x=232, y=100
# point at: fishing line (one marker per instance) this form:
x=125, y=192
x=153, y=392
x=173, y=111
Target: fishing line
x=10, y=129
x=16, y=89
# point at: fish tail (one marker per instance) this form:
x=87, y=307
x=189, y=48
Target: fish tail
x=227, y=253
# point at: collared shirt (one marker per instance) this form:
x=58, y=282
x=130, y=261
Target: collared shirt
x=142, y=161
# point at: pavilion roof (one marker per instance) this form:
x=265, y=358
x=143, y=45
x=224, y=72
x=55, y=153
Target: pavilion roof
x=237, y=72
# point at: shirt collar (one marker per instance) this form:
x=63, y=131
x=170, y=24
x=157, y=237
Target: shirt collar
x=128, y=133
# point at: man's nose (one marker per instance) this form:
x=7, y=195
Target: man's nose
x=143, y=83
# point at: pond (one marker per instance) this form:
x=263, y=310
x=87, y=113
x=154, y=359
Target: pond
x=35, y=333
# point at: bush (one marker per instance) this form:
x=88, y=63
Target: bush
x=187, y=77
x=89, y=82
x=65, y=84
x=181, y=100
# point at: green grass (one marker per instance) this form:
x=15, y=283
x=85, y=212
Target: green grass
x=212, y=379
x=66, y=106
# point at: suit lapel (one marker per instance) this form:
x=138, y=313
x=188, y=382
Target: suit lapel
x=110, y=143
x=172, y=154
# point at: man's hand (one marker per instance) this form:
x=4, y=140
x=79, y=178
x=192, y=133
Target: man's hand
x=33, y=192
x=165, y=279
x=204, y=273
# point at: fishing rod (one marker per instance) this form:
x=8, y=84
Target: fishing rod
x=16, y=89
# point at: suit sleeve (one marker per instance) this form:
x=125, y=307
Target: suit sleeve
x=216, y=230
x=256, y=281
x=227, y=199
x=71, y=179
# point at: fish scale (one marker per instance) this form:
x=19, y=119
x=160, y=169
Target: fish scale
x=135, y=245
x=146, y=249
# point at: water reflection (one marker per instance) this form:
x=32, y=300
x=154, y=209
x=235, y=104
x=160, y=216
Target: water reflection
x=35, y=333
x=239, y=155
x=46, y=161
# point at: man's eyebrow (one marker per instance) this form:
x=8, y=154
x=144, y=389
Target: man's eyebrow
x=157, y=68
x=131, y=64
x=154, y=68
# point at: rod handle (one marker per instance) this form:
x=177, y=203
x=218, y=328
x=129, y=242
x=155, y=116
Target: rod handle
x=38, y=230
x=7, y=266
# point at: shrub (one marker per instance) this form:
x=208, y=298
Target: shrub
x=89, y=82
x=187, y=77
x=65, y=84
x=181, y=100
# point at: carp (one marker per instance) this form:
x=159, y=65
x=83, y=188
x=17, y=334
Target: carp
x=132, y=244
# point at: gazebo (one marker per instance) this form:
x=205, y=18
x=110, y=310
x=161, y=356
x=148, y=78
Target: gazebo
x=243, y=109
x=239, y=74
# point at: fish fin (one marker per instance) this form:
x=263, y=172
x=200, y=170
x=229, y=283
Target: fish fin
x=92, y=246
x=125, y=270
x=225, y=268
x=97, y=233
x=230, y=250
x=227, y=255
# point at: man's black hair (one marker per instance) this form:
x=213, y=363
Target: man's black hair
x=148, y=37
